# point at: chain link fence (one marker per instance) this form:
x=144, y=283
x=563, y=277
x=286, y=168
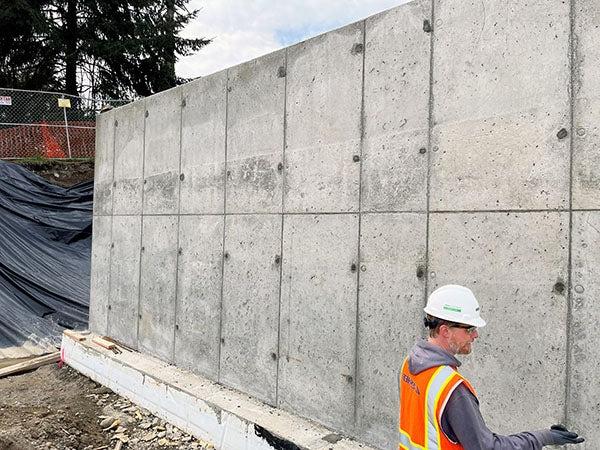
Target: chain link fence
x=48, y=124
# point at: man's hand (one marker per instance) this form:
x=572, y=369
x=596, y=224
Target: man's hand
x=560, y=435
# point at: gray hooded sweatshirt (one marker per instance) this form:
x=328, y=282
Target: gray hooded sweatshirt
x=461, y=420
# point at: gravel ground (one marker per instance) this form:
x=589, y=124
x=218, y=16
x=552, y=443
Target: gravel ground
x=60, y=409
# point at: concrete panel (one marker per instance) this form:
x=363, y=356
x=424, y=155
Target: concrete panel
x=199, y=294
x=129, y=158
x=250, y=321
x=158, y=286
x=318, y=318
x=515, y=264
x=501, y=72
x=125, y=279
x=323, y=116
x=203, y=145
x=255, y=135
x=161, y=152
x=390, y=311
x=103, y=169
x=584, y=333
x=586, y=105
x=394, y=173
x=100, y=274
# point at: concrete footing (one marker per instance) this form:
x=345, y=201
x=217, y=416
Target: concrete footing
x=207, y=410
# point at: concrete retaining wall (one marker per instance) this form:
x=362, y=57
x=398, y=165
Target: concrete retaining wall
x=277, y=226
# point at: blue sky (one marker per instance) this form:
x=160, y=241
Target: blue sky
x=244, y=29
x=289, y=36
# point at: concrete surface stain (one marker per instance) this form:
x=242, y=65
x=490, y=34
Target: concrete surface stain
x=258, y=173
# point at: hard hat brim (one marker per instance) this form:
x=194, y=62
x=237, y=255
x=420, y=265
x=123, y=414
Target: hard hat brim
x=474, y=322
x=479, y=323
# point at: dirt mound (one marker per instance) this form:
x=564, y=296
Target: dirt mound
x=59, y=409
x=65, y=172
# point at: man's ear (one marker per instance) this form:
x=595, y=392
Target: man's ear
x=444, y=331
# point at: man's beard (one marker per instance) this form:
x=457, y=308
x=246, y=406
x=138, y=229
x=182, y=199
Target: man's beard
x=458, y=349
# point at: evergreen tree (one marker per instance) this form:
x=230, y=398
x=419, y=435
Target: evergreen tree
x=137, y=53
x=108, y=48
x=27, y=59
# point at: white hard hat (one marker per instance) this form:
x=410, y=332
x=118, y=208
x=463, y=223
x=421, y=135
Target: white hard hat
x=455, y=304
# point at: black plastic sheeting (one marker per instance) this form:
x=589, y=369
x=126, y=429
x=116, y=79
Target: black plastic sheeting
x=45, y=246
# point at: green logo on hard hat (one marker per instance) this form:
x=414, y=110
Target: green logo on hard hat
x=452, y=308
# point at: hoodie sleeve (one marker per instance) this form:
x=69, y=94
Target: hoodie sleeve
x=462, y=422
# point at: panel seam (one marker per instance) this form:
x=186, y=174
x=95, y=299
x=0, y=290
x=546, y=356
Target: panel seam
x=283, y=181
x=358, y=253
x=138, y=313
x=178, y=249
x=569, y=312
x=112, y=215
x=341, y=213
x=220, y=343
x=429, y=158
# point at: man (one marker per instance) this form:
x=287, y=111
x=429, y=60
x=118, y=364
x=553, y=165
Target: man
x=439, y=408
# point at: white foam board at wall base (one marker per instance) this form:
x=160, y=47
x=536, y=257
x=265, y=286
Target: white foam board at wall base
x=228, y=419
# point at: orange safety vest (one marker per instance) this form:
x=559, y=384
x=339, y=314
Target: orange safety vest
x=423, y=398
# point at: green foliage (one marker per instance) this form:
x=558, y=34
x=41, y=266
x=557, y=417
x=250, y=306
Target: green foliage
x=143, y=40
x=43, y=161
x=26, y=55
x=107, y=48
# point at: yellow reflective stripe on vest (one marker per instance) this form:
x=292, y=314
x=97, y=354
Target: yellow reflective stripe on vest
x=437, y=384
x=407, y=444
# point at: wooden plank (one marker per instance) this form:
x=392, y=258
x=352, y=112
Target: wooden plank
x=104, y=343
x=74, y=335
x=119, y=344
x=30, y=365
x=6, y=362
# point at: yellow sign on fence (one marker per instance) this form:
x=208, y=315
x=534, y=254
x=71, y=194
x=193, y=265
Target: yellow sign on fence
x=64, y=102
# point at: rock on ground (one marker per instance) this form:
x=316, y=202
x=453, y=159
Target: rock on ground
x=60, y=409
